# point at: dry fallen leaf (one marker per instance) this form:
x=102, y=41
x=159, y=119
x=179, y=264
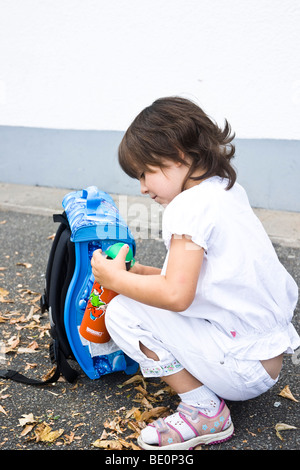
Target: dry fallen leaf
x=144, y=402
x=32, y=348
x=69, y=438
x=114, y=425
x=20, y=319
x=115, y=444
x=4, y=395
x=23, y=292
x=282, y=427
x=142, y=390
x=136, y=426
x=135, y=378
x=135, y=412
x=129, y=445
x=44, y=433
x=26, y=351
x=154, y=413
x=2, y=410
x=26, y=265
x=4, y=293
x=27, y=429
x=286, y=393
x=13, y=342
x=49, y=374
x=26, y=419
x=107, y=444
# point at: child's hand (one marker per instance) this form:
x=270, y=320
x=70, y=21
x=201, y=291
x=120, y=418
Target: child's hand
x=106, y=270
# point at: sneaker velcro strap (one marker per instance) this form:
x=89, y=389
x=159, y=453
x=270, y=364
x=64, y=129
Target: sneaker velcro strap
x=188, y=410
x=161, y=426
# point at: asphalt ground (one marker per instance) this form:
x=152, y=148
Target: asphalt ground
x=106, y=412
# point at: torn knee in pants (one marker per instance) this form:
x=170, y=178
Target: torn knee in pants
x=148, y=352
x=156, y=369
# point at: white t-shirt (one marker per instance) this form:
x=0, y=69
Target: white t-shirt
x=242, y=289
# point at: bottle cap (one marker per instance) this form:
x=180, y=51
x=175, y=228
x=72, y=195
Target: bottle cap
x=113, y=251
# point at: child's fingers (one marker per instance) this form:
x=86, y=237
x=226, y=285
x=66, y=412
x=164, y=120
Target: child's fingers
x=96, y=256
x=97, y=253
x=121, y=256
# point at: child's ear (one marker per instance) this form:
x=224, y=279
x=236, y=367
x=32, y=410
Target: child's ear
x=181, y=155
x=185, y=158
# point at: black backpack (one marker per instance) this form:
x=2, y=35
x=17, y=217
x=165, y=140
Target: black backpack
x=90, y=220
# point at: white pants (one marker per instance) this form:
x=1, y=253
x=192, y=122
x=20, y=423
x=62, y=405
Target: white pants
x=182, y=343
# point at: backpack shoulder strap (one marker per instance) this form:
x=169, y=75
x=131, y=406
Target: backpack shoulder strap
x=63, y=221
x=62, y=368
x=17, y=377
x=61, y=274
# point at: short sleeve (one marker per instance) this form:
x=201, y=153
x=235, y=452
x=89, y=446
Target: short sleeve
x=190, y=213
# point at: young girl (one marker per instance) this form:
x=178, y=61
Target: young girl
x=215, y=321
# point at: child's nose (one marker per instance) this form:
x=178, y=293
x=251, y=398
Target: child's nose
x=144, y=189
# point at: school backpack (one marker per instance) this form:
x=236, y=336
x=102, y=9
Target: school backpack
x=90, y=221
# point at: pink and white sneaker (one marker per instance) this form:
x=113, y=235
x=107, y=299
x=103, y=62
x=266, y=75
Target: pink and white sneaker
x=186, y=429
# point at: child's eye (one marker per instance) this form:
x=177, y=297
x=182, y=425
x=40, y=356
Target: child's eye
x=142, y=175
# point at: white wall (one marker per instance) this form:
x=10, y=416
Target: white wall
x=94, y=64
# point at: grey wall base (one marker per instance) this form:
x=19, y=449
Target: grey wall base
x=268, y=169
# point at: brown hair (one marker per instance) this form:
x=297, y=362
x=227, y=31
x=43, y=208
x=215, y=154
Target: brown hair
x=175, y=125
